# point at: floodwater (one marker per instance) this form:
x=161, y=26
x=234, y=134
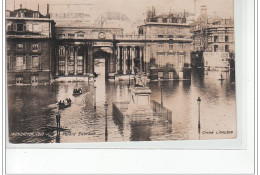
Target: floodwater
x=32, y=111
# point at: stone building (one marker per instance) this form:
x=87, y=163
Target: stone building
x=211, y=35
x=29, y=46
x=168, y=43
x=38, y=51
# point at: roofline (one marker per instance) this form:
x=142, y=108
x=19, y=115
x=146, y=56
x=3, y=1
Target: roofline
x=166, y=24
x=74, y=27
x=32, y=19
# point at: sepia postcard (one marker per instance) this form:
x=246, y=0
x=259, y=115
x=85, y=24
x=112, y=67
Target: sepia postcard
x=120, y=70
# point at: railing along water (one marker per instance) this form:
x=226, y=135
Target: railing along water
x=161, y=110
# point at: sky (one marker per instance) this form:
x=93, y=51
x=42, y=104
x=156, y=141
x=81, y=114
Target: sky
x=134, y=9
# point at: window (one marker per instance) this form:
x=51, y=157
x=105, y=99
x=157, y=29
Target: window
x=160, y=75
x=9, y=63
x=160, y=60
x=170, y=75
x=181, y=60
x=71, y=35
x=9, y=28
x=79, y=64
x=19, y=47
x=215, y=38
x=61, y=50
x=20, y=62
x=35, y=47
x=160, y=36
x=61, y=35
x=160, y=47
x=80, y=35
x=226, y=38
x=20, y=27
x=181, y=47
x=171, y=47
x=171, y=59
x=35, y=62
x=226, y=48
x=215, y=48
x=19, y=79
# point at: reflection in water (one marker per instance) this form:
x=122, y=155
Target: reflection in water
x=32, y=110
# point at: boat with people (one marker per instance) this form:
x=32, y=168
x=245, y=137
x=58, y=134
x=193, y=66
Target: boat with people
x=77, y=91
x=65, y=103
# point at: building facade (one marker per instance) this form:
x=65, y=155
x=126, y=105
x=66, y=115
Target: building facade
x=211, y=36
x=168, y=43
x=39, y=52
x=29, y=56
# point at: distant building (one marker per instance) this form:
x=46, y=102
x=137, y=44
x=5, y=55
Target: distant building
x=215, y=35
x=29, y=46
x=168, y=43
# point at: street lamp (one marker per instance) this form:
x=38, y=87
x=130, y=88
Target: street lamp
x=95, y=94
x=199, y=100
x=106, y=107
x=162, y=94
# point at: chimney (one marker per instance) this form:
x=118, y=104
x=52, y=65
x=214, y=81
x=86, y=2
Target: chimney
x=48, y=13
x=21, y=6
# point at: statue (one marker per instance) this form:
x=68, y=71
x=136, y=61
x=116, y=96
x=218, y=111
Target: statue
x=140, y=79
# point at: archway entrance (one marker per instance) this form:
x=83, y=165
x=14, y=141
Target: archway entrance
x=101, y=62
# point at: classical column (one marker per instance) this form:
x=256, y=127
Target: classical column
x=84, y=60
x=142, y=58
x=145, y=58
x=66, y=59
x=117, y=59
x=91, y=61
x=113, y=60
x=125, y=62
x=75, y=60
x=121, y=59
x=133, y=56
x=57, y=60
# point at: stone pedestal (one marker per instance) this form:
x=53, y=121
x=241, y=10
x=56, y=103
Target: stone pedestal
x=140, y=98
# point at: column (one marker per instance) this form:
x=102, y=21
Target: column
x=117, y=59
x=142, y=58
x=84, y=60
x=75, y=60
x=125, y=60
x=66, y=60
x=57, y=60
x=121, y=60
x=113, y=60
x=90, y=66
x=133, y=63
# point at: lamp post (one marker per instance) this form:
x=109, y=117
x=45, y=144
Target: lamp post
x=129, y=81
x=106, y=133
x=162, y=94
x=95, y=94
x=199, y=100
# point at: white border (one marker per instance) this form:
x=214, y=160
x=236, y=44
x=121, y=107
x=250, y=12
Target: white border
x=241, y=100
x=71, y=161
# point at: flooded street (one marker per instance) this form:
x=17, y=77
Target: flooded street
x=32, y=111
